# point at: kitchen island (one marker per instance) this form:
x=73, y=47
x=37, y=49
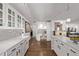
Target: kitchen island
x=63, y=46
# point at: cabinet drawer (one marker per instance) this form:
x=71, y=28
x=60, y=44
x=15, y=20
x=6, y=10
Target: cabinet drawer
x=2, y=54
x=73, y=52
x=11, y=50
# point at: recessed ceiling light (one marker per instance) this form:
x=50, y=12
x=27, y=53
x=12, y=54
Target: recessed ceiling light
x=68, y=20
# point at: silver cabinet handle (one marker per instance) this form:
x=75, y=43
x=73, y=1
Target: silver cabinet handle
x=56, y=41
x=59, y=46
x=62, y=44
x=67, y=54
x=21, y=43
x=16, y=53
x=19, y=50
x=14, y=49
x=72, y=51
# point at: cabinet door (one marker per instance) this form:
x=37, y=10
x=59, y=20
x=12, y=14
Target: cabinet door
x=52, y=44
x=23, y=24
x=18, y=53
x=64, y=48
x=10, y=15
x=2, y=54
x=13, y=54
x=22, y=49
x=19, y=18
x=26, y=46
x=72, y=52
x=68, y=50
x=57, y=48
x=11, y=51
x=2, y=14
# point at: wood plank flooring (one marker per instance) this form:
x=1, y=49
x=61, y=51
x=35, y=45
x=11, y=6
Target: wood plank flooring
x=40, y=48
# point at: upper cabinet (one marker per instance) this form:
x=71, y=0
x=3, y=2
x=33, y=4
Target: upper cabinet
x=23, y=23
x=2, y=13
x=11, y=18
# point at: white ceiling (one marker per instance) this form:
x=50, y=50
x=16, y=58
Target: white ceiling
x=48, y=11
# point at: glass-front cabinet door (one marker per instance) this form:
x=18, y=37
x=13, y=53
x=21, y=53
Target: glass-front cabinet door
x=18, y=21
x=11, y=18
x=10, y=15
x=23, y=24
x=14, y=17
x=1, y=14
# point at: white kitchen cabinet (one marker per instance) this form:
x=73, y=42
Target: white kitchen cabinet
x=72, y=52
x=13, y=54
x=11, y=51
x=2, y=15
x=2, y=54
x=67, y=50
x=23, y=24
x=18, y=21
x=26, y=46
x=63, y=49
x=19, y=51
x=23, y=47
x=58, y=48
x=10, y=16
x=52, y=43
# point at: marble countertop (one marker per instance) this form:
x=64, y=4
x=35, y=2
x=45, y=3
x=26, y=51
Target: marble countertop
x=67, y=41
x=7, y=44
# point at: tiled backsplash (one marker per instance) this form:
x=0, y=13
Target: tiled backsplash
x=9, y=33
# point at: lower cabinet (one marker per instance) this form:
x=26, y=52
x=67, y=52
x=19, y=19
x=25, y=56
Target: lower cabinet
x=11, y=51
x=52, y=43
x=72, y=52
x=58, y=48
x=26, y=46
x=63, y=49
x=19, y=49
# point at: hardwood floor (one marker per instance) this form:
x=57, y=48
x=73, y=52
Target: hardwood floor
x=40, y=48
